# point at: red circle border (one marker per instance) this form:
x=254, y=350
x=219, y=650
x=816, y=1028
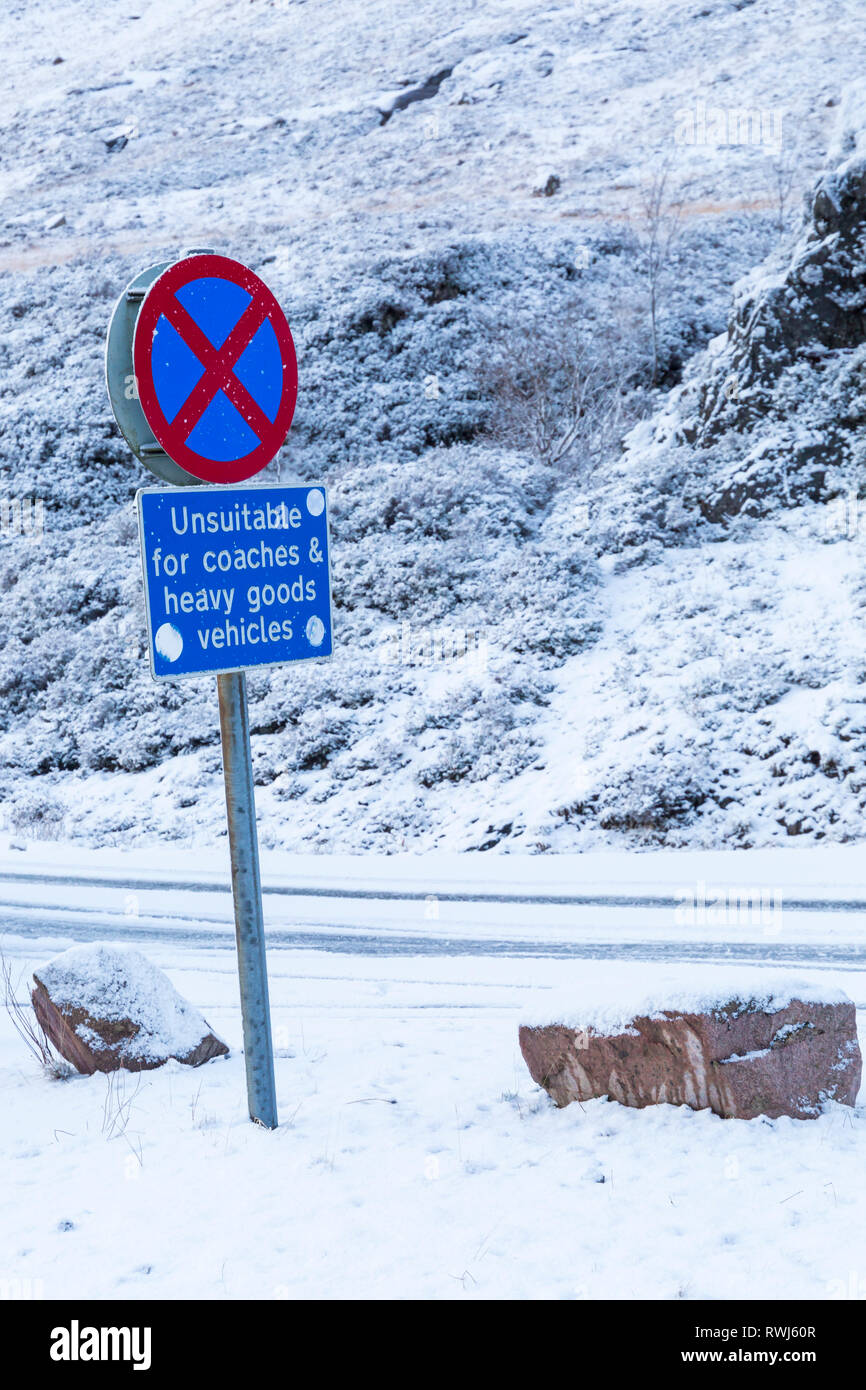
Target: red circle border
x=153, y=305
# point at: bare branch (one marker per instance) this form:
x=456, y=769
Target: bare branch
x=27, y=1026
x=656, y=228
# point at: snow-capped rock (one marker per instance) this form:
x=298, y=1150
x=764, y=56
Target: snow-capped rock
x=105, y=1007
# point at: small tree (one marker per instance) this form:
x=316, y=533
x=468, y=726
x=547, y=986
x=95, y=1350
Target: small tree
x=656, y=226
x=785, y=171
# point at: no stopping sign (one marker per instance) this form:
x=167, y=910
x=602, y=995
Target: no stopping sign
x=215, y=368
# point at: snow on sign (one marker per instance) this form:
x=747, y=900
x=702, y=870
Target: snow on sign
x=215, y=368
x=234, y=577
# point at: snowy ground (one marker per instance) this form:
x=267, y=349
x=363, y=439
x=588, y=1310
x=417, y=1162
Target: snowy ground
x=692, y=693
x=251, y=118
x=415, y=1158
x=773, y=905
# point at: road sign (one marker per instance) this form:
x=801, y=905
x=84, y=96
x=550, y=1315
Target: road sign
x=234, y=577
x=202, y=377
x=215, y=368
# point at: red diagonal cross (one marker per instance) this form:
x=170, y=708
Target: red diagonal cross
x=219, y=364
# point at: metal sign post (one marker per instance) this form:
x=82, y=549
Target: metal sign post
x=202, y=378
x=247, y=892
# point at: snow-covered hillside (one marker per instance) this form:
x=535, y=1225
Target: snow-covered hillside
x=651, y=642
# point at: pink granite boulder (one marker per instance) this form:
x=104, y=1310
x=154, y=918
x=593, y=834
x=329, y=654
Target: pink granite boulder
x=740, y=1058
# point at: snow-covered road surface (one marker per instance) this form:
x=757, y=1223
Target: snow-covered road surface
x=604, y=934
x=774, y=907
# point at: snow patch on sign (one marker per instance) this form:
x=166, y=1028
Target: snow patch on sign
x=168, y=642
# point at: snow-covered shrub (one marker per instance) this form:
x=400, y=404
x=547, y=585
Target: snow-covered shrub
x=475, y=755
x=318, y=736
x=489, y=735
x=38, y=814
x=560, y=387
x=662, y=791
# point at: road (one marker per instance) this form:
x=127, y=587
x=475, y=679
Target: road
x=456, y=920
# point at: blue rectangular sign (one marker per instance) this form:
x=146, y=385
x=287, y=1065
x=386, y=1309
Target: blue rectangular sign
x=234, y=577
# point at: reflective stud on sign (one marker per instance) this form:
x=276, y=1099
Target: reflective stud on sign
x=168, y=642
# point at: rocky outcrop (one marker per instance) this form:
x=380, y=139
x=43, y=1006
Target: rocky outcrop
x=773, y=413
x=789, y=378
